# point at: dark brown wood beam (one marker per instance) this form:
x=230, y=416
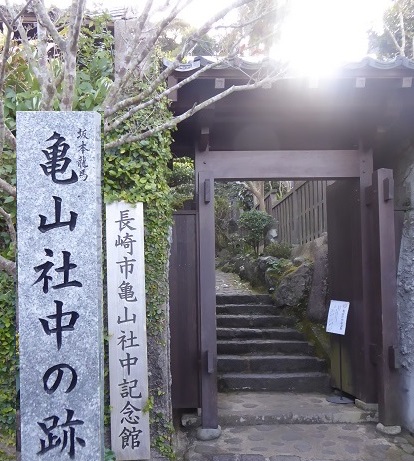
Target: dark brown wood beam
x=259, y=165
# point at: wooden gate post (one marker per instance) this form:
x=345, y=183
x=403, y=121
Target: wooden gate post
x=366, y=169
x=384, y=284
x=208, y=346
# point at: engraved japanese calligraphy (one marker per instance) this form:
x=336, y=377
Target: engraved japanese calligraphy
x=60, y=293
x=127, y=331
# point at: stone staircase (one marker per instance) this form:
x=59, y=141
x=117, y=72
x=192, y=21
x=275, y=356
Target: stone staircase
x=259, y=349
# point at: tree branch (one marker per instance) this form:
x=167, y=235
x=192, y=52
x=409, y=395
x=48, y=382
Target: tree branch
x=69, y=62
x=43, y=17
x=135, y=99
x=10, y=138
x=136, y=54
x=7, y=266
x=128, y=138
x=10, y=225
x=8, y=188
x=395, y=41
x=3, y=62
x=401, y=18
x=47, y=87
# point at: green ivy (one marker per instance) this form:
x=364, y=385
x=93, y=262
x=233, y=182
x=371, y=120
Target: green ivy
x=8, y=360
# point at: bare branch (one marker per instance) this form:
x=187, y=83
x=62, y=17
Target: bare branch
x=28, y=54
x=10, y=138
x=136, y=54
x=69, y=62
x=46, y=83
x=3, y=62
x=401, y=18
x=128, y=138
x=44, y=19
x=7, y=266
x=143, y=17
x=8, y=188
x=111, y=108
x=247, y=23
x=395, y=41
x=10, y=225
x=134, y=100
x=2, y=125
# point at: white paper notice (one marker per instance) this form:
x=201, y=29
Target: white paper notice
x=338, y=313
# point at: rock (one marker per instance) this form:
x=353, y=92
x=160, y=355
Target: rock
x=317, y=309
x=204, y=433
x=408, y=448
x=294, y=287
x=298, y=261
x=252, y=272
x=271, y=236
x=388, y=430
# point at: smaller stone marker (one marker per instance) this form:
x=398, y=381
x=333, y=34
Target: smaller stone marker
x=128, y=369
x=60, y=285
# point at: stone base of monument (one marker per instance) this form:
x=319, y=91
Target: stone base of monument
x=204, y=433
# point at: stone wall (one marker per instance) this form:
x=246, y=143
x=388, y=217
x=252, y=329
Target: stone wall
x=317, y=252
x=404, y=199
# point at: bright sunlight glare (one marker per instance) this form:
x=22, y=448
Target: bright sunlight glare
x=317, y=36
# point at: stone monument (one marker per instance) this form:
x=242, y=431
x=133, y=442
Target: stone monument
x=128, y=369
x=59, y=285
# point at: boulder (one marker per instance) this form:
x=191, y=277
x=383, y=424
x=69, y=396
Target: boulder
x=294, y=287
x=317, y=309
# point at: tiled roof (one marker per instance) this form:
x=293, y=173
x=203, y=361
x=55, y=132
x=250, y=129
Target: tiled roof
x=198, y=62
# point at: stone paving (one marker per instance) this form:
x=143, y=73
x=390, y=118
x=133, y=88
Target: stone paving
x=331, y=433
x=231, y=284
x=346, y=434
x=303, y=442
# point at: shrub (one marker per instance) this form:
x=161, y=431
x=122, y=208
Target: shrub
x=255, y=224
x=278, y=250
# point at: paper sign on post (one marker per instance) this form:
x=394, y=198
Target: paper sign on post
x=338, y=313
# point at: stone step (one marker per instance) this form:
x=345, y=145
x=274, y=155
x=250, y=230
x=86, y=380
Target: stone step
x=280, y=382
x=247, y=309
x=256, y=321
x=269, y=363
x=288, y=334
x=244, y=299
x=263, y=346
x=262, y=408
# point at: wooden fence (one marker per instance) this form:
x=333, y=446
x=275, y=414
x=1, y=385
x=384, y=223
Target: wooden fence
x=301, y=214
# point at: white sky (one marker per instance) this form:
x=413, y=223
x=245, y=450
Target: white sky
x=317, y=34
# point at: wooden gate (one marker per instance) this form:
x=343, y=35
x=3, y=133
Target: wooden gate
x=365, y=275
x=184, y=312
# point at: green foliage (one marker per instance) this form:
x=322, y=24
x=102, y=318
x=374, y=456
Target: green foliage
x=382, y=44
x=138, y=173
x=255, y=224
x=236, y=245
x=8, y=360
x=278, y=250
x=222, y=209
x=109, y=455
x=163, y=439
x=181, y=181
